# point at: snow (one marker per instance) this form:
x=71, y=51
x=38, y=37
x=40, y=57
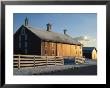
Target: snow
x=52, y=68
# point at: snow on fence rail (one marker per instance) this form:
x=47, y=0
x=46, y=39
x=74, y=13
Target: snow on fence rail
x=34, y=61
x=79, y=60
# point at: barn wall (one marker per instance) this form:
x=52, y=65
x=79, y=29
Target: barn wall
x=94, y=54
x=33, y=43
x=60, y=49
x=48, y=48
x=16, y=42
x=91, y=55
x=79, y=51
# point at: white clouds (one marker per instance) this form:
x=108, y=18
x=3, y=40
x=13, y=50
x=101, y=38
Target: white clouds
x=87, y=41
x=81, y=38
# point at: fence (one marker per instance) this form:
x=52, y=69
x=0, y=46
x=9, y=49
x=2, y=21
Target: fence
x=34, y=61
x=79, y=60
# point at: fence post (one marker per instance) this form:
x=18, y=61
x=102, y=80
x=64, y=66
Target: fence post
x=46, y=60
x=62, y=60
x=55, y=60
x=34, y=61
x=19, y=62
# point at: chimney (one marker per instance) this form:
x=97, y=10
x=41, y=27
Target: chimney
x=65, y=31
x=26, y=21
x=48, y=27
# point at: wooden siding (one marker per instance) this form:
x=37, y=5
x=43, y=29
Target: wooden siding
x=33, y=43
x=94, y=54
x=36, y=46
x=48, y=48
x=60, y=49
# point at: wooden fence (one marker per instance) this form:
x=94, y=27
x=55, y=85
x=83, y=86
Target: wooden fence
x=79, y=60
x=35, y=61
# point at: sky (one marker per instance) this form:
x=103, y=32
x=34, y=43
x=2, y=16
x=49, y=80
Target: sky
x=80, y=26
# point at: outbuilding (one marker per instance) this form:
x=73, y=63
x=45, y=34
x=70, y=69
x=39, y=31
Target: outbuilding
x=90, y=52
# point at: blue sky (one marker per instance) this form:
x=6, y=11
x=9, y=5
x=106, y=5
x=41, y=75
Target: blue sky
x=77, y=24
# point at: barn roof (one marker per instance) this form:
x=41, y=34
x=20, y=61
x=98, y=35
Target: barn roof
x=88, y=49
x=53, y=36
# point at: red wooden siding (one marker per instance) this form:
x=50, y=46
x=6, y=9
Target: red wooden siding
x=59, y=49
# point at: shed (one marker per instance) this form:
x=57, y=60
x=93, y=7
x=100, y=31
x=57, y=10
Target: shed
x=90, y=52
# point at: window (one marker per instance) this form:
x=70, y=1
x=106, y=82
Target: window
x=53, y=51
x=45, y=44
x=23, y=31
x=45, y=51
x=22, y=38
x=52, y=44
x=23, y=41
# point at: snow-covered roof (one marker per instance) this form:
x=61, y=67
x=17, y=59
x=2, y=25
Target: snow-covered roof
x=53, y=36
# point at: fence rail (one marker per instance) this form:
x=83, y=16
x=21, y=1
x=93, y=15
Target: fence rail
x=35, y=61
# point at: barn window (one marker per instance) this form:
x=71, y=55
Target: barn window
x=45, y=51
x=53, y=51
x=22, y=37
x=23, y=31
x=45, y=44
x=52, y=44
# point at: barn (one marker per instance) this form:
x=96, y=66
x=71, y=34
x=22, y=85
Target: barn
x=90, y=52
x=31, y=41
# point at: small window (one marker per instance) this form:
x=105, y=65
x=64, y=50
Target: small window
x=23, y=31
x=45, y=51
x=53, y=51
x=45, y=44
x=52, y=44
x=22, y=38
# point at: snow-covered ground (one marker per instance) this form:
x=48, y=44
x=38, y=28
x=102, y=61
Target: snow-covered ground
x=44, y=69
